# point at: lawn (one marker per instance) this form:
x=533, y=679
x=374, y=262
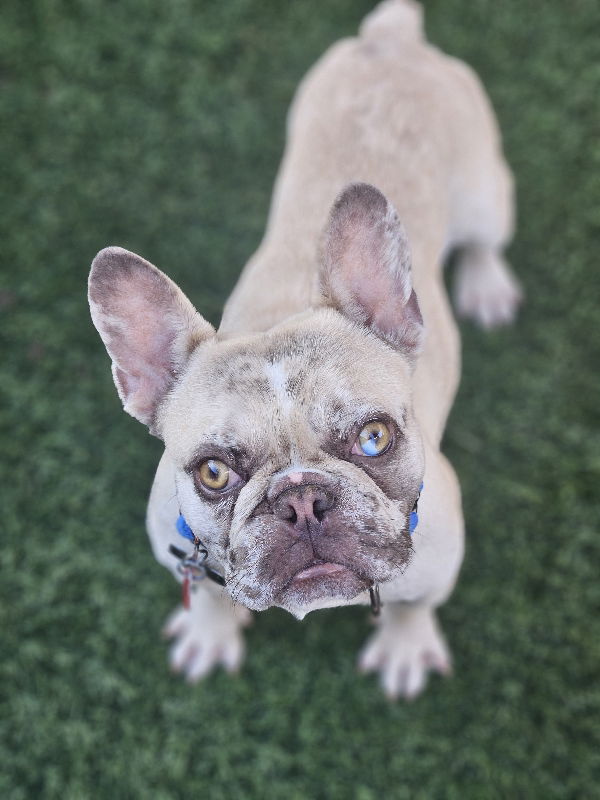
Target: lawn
x=158, y=126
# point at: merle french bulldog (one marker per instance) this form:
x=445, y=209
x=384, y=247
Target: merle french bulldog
x=302, y=464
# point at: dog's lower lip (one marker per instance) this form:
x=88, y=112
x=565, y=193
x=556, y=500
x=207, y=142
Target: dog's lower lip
x=321, y=580
x=320, y=570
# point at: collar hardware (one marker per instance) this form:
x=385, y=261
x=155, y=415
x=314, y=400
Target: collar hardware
x=191, y=566
x=375, y=600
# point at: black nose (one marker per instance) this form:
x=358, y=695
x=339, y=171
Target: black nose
x=303, y=506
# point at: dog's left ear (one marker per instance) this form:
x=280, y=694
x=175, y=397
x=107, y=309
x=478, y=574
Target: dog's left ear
x=366, y=267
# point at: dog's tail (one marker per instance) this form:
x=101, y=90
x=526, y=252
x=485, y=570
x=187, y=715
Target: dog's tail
x=397, y=19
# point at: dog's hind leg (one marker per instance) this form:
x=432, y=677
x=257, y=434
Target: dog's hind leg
x=485, y=288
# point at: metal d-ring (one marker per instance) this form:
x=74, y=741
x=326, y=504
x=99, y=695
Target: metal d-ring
x=375, y=600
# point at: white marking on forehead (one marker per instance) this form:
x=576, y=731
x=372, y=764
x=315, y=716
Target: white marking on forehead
x=278, y=378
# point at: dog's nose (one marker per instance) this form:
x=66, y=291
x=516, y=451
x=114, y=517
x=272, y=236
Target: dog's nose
x=303, y=506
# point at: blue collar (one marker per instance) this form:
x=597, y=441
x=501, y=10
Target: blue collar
x=184, y=529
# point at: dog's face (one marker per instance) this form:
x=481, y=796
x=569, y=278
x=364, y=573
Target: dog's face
x=298, y=460
x=298, y=457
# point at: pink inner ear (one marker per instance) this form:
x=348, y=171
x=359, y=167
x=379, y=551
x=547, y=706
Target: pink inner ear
x=142, y=303
x=141, y=342
x=366, y=281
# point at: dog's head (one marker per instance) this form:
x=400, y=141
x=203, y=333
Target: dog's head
x=297, y=453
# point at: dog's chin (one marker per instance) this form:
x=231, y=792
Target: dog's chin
x=321, y=585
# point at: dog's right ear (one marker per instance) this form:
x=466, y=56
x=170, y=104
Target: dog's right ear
x=148, y=326
x=366, y=268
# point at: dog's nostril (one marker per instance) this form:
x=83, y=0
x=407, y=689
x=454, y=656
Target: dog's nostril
x=321, y=505
x=287, y=511
x=320, y=508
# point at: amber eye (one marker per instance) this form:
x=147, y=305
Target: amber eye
x=214, y=474
x=373, y=440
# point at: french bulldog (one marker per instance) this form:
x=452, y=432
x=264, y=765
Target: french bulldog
x=302, y=438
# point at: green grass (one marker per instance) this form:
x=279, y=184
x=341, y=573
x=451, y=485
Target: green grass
x=158, y=126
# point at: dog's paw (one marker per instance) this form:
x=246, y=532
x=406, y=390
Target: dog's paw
x=485, y=289
x=204, y=641
x=403, y=650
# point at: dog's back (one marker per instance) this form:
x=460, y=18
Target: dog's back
x=390, y=109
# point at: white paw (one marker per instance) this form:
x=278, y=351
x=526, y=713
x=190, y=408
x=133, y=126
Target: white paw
x=486, y=290
x=403, y=651
x=204, y=641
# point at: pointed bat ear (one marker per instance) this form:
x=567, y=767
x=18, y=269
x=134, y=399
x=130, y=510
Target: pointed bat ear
x=366, y=268
x=148, y=327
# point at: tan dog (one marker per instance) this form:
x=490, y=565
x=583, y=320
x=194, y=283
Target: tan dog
x=297, y=437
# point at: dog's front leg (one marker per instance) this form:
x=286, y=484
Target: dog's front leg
x=406, y=646
x=208, y=634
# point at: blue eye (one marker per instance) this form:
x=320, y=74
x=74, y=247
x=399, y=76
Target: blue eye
x=374, y=439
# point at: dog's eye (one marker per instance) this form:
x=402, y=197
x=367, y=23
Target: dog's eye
x=373, y=440
x=216, y=476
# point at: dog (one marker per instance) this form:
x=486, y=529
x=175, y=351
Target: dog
x=302, y=465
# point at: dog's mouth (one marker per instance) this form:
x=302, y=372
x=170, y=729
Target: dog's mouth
x=318, y=570
x=322, y=579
